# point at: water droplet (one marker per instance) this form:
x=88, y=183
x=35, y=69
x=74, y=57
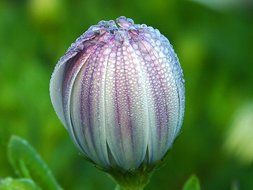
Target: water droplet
x=124, y=22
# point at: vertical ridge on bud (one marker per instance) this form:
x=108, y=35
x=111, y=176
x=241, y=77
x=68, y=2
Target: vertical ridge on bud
x=119, y=91
x=128, y=104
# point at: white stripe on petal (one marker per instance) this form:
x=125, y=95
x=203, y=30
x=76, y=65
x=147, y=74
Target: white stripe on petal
x=56, y=86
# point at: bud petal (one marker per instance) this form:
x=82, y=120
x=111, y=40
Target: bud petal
x=119, y=91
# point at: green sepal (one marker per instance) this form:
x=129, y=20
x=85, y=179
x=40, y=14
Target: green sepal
x=132, y=179
x=28, y=163
x=192, y=183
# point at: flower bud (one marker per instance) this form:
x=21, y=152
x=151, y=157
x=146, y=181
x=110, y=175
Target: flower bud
x=119, y=91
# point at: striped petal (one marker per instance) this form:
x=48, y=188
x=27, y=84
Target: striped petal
x=166, y=89
x=126, y=105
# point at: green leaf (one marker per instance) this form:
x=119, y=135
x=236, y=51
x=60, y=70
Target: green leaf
x=192, y=183
x=28, y=163
x=18, y=184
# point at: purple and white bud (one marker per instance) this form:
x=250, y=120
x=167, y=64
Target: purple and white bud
x=119, y=91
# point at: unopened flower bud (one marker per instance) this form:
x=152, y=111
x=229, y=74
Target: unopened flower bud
x=119, y=91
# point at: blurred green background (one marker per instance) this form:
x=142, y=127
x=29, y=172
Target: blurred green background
x=214, y=42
